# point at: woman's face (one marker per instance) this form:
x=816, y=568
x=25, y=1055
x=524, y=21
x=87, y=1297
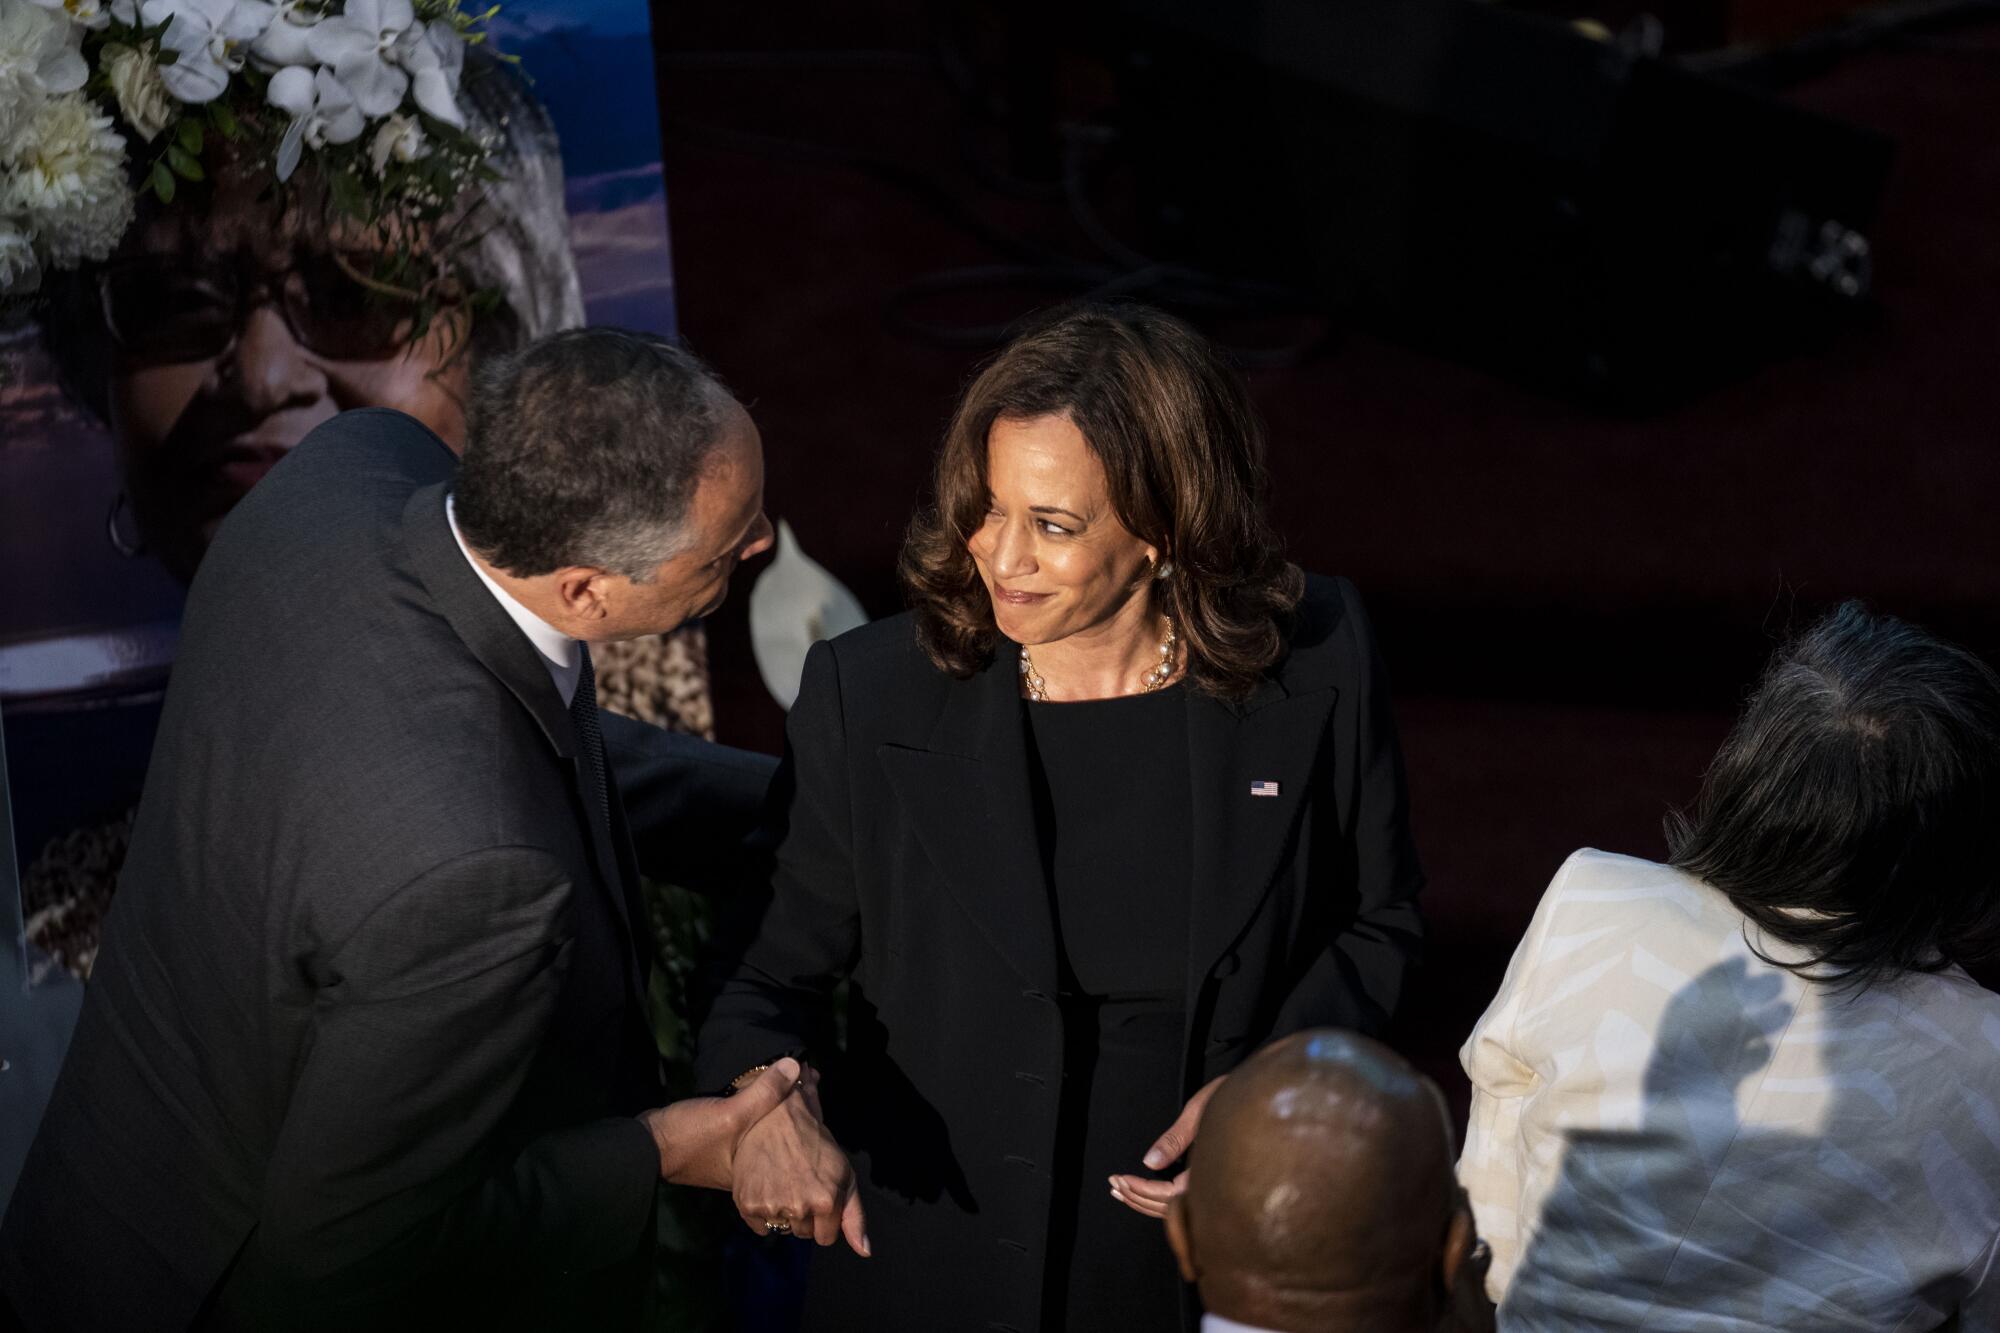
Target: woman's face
x=235, y=334
x=1055, y=558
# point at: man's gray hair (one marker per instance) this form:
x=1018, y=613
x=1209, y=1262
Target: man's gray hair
x=585, y=448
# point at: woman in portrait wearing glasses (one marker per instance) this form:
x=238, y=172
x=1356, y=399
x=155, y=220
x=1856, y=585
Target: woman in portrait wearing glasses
x=219, y=335
x=1119, y=801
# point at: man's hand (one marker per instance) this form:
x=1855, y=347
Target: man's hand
x=789, y=1169
x=1150, y=1196
x=699, y=1138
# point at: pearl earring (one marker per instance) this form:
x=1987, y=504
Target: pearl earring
x=1166, y=568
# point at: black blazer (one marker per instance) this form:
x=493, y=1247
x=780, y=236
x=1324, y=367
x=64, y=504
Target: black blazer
x=364, y=1042
x=909, y=859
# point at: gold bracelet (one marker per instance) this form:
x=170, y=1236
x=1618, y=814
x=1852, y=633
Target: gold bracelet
x=745, y=1079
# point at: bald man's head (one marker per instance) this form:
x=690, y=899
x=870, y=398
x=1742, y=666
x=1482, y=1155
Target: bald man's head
x=1320, y=1192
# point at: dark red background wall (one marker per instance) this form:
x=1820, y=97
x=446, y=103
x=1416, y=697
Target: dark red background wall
x=1571, y=604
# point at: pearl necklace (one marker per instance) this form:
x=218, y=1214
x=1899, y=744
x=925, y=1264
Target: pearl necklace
x=1155, y=678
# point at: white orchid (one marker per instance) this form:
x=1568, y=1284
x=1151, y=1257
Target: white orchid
x=288, y=41
x=209, y=39
x=94, y=13
x=322, y=111
x=380, y=52
x=435, y=84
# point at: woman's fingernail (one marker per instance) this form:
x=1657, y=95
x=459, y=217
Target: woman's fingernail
x=1155, y=1159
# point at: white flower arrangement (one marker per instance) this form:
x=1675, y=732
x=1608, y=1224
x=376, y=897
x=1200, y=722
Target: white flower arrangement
x=101, y=100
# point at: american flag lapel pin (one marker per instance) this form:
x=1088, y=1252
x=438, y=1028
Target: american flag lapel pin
x=1264, y=789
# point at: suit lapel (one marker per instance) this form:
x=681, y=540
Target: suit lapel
x=500, y=646
x=477, y=619
x=971, y=806
x=609, y=845
x=1237, y=837
x=625, y=867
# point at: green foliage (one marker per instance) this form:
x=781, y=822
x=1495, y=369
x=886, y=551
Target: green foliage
x=692, y=1222
x=350, y=198
x=680, y=920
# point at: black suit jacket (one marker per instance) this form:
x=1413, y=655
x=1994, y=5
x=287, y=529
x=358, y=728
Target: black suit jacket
x=364, y=1042
x=909, y=859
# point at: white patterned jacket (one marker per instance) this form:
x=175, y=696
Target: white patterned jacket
x=1670, y=1133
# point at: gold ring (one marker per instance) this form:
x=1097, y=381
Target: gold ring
x=778, y=1226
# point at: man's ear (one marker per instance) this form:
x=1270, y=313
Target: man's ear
x=1466, y=1258
x=1180, y=1238
x=1462, y=1267
x=1459, y=1238
x=581, y=588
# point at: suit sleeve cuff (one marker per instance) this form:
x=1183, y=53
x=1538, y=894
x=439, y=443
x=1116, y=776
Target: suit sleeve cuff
x=613, y=1170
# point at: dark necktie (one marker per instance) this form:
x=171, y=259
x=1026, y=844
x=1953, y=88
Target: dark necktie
x=590, y=753
x=590, y=738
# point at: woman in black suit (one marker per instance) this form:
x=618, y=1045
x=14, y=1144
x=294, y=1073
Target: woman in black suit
x=1118, y=801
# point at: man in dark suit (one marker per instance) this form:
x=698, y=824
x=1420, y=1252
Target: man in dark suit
x=364, y=1045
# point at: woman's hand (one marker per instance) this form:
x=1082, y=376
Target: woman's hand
x=789, y=1169
x=1150, y=1196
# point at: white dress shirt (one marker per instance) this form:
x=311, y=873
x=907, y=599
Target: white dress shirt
x=1671, y=1134
x=1215, y=1323
x=561, y=654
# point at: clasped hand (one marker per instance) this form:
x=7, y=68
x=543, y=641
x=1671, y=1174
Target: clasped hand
x=769, y=1147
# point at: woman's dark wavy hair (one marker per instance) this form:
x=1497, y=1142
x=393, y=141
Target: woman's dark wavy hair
x=1183, y=456
x=1854, y=811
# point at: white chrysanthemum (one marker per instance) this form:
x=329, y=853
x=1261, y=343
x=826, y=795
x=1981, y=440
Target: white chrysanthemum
x=20, y=269
x=66, y=178
x=40, y=56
